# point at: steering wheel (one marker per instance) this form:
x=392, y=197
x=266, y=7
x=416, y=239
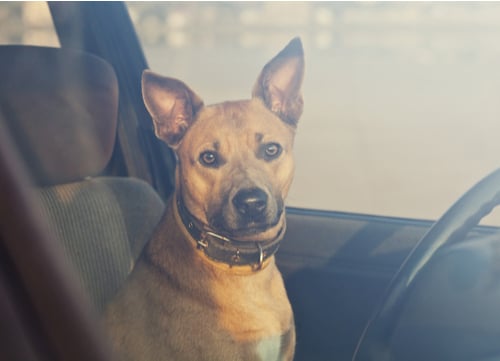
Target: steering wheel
x=454, y=225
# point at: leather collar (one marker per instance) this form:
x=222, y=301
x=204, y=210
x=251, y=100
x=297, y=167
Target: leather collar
x=223, y=249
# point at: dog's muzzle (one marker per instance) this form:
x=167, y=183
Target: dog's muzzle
x=245, y=213
x=221, y=248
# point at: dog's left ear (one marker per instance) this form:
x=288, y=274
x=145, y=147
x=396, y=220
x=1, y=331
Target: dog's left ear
x=279, y=83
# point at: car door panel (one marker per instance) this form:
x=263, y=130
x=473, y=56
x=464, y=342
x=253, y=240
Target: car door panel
x=336, y=268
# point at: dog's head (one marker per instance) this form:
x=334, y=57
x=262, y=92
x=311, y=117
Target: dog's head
x=235, y=158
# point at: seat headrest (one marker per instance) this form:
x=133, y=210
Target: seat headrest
x=61, y=107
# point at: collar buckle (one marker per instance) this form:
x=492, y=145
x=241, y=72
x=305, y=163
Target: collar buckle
x=202, y=243
x=225, y=239
x=261, y=256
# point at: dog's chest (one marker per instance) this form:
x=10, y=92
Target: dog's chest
x=269, y=349
x=257, y=315
x=274, y=348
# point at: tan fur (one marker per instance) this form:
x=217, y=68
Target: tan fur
x=178, y=304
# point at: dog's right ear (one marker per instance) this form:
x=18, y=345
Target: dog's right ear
x=171, y=104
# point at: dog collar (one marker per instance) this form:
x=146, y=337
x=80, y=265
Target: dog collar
x=223, y=249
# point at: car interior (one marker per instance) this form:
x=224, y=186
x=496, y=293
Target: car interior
x=84, y=183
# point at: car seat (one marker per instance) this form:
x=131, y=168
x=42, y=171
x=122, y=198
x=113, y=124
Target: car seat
x=60, y=107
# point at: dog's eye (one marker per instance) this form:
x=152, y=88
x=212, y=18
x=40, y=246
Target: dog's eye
x=209, y=159
x=272, y=150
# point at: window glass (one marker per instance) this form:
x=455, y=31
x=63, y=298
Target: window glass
x=402, y=110
x=27, y=23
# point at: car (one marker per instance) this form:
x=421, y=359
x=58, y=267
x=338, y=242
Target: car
x=387, y=256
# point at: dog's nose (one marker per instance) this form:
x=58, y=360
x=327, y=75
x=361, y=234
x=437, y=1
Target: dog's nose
x=251, y=202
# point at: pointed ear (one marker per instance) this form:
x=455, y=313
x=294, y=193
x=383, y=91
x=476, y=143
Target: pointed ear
x=171, y=104
x=279, y=84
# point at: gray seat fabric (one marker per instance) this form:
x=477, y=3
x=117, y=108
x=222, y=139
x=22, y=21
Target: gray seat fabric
x=60, y=107
x=103, y=224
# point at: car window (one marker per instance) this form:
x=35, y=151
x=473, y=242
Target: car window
x=401, y=99
x=27, y=23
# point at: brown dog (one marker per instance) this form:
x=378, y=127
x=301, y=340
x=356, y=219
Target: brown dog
x=206, y=286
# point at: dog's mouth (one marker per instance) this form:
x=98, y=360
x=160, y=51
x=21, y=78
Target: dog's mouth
x=252, y=232
x=255, y=230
